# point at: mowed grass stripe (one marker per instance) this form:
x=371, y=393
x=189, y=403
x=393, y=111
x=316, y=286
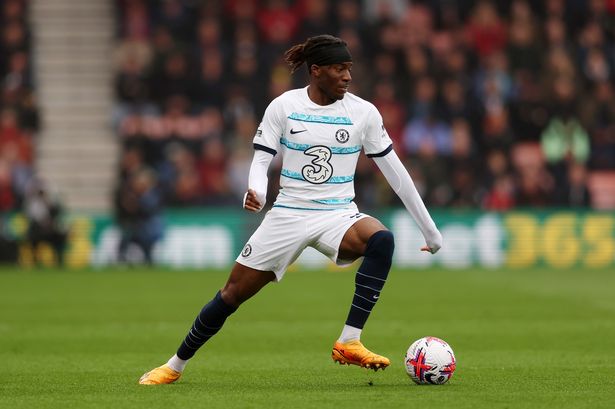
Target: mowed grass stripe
x=523, y=338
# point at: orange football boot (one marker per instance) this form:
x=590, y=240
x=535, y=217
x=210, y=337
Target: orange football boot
x=354, y=353
x=161, y=375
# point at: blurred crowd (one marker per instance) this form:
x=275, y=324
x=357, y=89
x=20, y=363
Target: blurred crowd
x=491, y=104
x=20, y=189
x=19, y=118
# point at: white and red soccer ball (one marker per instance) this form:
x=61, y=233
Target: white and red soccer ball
x=430, y=360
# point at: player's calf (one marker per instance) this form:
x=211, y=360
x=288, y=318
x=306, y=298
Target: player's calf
x=371, y=277
x=369, y=282
x=206, y=325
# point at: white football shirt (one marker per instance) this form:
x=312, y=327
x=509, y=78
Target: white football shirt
x=320, y=146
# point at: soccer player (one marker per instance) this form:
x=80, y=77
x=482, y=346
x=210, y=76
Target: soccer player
x=319, y=130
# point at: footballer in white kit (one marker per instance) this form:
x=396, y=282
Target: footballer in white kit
x=320, y=147
x=319, y=130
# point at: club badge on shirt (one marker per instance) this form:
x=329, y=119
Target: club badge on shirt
x=247, y=250
x=342, y=136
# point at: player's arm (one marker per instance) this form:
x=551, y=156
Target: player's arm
x=378, y=146
x=266, y=146
x=401, y=182
x=254, y=200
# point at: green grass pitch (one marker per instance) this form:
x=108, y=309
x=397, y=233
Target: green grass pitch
x=523, y=338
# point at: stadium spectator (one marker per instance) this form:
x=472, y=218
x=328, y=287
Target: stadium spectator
x=425, y=131
x=130, y=81
x=486, y=31
x=240, y=154
x=573, y=192
x=183, y=187
x=501, y=195
x=463, y=167
x=13, y=137
x=212, y=167
x=173, y=78
x=565, y=139
x=177, y=17
x=597, y=113
x=523, y=50
x=315, y=17
x=498, y=182
x=392, y=110
x=137, y=212
x=134, y=20
x=379, y=10
x=44, y=213
x=14, y=38
x=208, y=87
x=7, y=190
x=534, y=185
x=278, y=22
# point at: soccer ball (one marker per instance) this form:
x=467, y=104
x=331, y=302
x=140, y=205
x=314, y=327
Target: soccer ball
x=430, y=360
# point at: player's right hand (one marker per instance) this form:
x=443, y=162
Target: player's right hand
x=251, y=202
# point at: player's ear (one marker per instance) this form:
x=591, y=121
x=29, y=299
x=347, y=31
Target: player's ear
x=315, y=69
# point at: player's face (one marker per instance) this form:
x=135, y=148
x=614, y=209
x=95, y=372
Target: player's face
x=334, y=80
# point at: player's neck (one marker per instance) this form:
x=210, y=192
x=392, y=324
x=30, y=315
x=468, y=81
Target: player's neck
x=318, y=97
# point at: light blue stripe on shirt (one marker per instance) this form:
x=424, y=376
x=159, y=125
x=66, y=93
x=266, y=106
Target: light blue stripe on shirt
x=334, y=201
x=334, y=179
x=334, y=149
x=322, y=119
x=307, y=208
x=293, y=145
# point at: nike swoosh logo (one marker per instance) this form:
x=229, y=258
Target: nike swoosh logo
x=292, y=131
x=375, y=297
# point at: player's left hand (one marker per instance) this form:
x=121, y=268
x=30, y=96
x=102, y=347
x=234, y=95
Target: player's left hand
x=434, y=243
x=429, y=249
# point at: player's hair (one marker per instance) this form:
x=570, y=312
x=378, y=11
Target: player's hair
x=297, y=54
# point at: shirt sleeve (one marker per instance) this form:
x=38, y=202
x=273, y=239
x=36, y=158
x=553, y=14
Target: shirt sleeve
x=401, y=182
x=376, y=140
x=267, y=137
x=257, y=180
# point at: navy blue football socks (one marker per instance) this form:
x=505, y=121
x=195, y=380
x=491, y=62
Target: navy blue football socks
x=371, y=277
x=206, y=325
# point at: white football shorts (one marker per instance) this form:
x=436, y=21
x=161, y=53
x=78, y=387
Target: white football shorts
x=284, y=234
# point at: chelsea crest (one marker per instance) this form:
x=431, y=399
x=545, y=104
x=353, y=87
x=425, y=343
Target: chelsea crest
x=342, y=136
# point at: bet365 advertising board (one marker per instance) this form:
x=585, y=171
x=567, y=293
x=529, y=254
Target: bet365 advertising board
x=212, y=239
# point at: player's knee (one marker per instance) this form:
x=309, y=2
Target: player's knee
x=231, y=296
x=381, y=245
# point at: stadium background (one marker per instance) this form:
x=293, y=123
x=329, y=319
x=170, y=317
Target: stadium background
x=503, y=112
x=136, y=117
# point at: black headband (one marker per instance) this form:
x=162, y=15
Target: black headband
x=328, y=54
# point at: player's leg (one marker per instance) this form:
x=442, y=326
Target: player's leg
x=370, y=239
x=276, y=243
x=242, y=284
